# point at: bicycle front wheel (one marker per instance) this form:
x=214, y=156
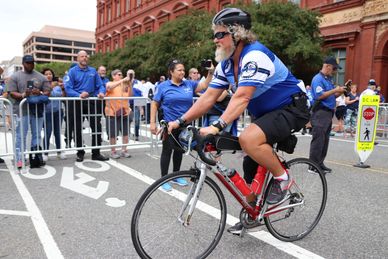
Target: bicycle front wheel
x=308, y=195
x=157, y=229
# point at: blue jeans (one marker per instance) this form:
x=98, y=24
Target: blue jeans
x=136, y=116
x=53, y=120
x=21, y=134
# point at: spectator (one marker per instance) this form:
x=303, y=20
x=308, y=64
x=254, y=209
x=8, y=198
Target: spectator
x=310, y=97
x=161, y=80
x=53, y=115
x=324, y=93
x=102, y=73
x=137, y=111
x=141, y=103
x=174, y=97
x=379, y=93
x=149, y=90
x=69, y=126
x=194, y=74
x=83, y=81
x=340, y=112
x=118, y=111
x=351, y=102
x=22, y=84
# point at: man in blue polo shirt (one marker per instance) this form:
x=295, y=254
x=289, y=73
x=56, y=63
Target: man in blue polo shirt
x=83, y=81
x=324, y=93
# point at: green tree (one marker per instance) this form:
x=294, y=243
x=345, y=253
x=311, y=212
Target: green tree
x=59, y=68
x=290, y=32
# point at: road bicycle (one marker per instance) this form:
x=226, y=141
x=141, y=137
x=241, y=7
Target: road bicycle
x=189, y=221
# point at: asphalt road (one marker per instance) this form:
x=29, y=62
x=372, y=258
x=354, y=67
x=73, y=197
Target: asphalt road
x=83, y=210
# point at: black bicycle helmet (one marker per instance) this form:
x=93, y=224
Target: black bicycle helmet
x=232, y=16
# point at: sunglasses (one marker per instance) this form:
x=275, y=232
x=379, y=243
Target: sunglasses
x=220, y=35
x=119, y=74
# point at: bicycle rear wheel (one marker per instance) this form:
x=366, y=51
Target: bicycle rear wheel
x=157, y=232
x=310, y=192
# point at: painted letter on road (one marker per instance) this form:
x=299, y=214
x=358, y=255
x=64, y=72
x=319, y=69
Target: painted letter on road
x=77, y=183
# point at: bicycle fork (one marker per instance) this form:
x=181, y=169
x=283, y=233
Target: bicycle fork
x=192, y=198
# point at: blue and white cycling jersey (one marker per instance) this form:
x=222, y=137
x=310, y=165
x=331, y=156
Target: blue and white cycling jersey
x=261, y=68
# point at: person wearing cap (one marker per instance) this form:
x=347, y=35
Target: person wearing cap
x=83, y=81
x=22, y=84
x=262, y=84
x=324, y=93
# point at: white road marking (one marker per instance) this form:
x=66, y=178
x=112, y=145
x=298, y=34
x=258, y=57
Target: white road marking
x=264, y=236
x=49, y=245
x=77, y=183
x=15, y=213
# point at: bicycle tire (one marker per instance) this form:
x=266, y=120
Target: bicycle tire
x=302, y=219
x=155, y=230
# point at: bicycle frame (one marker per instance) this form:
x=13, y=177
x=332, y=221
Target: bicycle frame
x=257, y=212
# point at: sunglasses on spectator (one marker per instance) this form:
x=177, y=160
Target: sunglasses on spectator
x=220, y=35
x=119, y=74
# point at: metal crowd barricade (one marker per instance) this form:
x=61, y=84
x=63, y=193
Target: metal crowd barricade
x=90, y=112
x=382, y=123
x=7, y=128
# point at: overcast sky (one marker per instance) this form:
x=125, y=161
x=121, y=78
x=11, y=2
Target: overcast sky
x=18, y=18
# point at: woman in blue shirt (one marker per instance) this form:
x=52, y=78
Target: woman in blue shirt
x=53, y=115
x=174, y=97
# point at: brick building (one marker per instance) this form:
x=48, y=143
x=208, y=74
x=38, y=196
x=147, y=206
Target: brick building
x=356, y=30
x=119, y=20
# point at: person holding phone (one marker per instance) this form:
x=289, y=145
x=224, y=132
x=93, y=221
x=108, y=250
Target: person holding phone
x=324, y=93
x=117, y=111
x=23, y=84
x=53, y=115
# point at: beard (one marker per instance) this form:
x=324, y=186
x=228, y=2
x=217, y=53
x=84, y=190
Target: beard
x=222, y=53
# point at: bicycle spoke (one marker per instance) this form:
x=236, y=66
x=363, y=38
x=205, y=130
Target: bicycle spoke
x=310, y=191
x=156, y=230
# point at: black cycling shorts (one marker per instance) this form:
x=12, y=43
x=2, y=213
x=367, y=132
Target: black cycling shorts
x=277, y=125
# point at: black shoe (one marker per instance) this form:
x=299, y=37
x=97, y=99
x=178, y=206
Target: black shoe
x=236, y=229
x=1, y=160
x=80, y=157
x=326, y=169
x=100, y=157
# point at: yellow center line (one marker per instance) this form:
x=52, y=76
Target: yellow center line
x=343, y=163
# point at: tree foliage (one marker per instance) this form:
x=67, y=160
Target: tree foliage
x=59, y=68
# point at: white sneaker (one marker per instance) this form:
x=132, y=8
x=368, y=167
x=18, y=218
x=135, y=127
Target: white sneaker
x=62, y=155
x=45, y=157
x=114, y=155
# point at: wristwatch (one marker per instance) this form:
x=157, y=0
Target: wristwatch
x=220, y=124
x=181, y=121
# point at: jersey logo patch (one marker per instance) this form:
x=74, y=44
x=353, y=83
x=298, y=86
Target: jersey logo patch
x=319, y=89
x=249, y=70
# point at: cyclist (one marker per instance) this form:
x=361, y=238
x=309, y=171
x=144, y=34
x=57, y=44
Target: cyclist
x=264, y=85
